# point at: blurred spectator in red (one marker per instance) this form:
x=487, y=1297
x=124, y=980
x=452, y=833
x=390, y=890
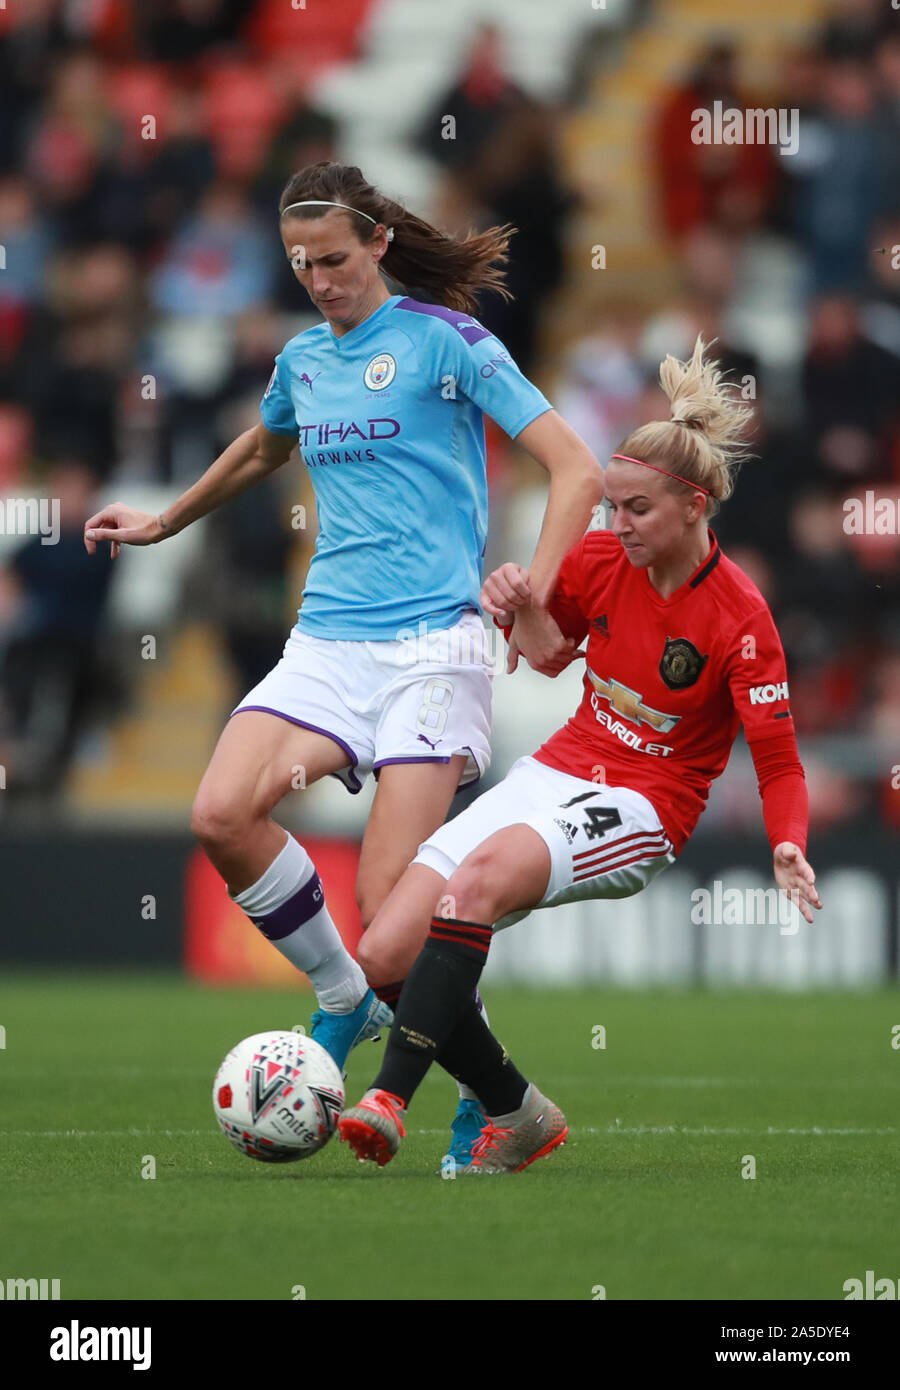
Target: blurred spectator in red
x=479, y=103
x=883, y=720
x=30, y=36
x=245, y=106
x=16, y=432
x=728, y=185
x=319, y=34
x=73, y=144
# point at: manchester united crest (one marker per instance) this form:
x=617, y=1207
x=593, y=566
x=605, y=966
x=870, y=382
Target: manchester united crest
x=681, y=663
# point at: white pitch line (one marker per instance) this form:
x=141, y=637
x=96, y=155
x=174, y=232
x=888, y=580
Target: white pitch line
x=709, y=1129
x=705, y=1130
x=732, y=1082
x=103, y=1133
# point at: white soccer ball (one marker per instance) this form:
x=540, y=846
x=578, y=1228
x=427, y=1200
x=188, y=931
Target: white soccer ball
x=278, y=1097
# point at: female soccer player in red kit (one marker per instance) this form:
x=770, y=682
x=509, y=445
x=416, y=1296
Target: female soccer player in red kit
x=681, y=650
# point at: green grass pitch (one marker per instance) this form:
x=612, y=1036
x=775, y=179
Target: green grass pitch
x=646, y=1199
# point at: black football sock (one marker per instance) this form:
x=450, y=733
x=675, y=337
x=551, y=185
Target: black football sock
x=473, y=1056
x=439, y=989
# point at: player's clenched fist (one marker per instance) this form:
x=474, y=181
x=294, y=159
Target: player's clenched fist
x=505, y=590
x=121, y=525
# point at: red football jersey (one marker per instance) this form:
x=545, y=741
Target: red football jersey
x=669, y=681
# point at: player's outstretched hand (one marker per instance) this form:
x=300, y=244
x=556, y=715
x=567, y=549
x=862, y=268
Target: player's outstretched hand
x=120, y=525
x=795, y=876
x=537, y=637
x=505, y=590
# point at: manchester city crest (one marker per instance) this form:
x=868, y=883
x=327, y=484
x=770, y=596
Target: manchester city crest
x=380, y=372
x=681, y=663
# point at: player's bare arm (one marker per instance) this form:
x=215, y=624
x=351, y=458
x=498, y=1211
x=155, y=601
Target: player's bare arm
x=576, y=488
x=251, y=457
x=506, y=595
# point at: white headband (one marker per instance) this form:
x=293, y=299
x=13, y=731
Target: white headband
x=325, y=203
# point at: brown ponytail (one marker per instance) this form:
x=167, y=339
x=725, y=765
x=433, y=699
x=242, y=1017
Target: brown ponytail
x=448, y=270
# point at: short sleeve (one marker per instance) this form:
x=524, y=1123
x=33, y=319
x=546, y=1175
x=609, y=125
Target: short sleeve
x=276, y=407
x=476, y=365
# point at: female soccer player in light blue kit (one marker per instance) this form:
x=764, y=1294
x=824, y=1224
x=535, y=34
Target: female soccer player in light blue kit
x=386, y=399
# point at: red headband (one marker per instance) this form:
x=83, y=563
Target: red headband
x=677, y=476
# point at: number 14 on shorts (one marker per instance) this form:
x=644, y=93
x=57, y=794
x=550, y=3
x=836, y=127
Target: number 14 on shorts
x=599, y=819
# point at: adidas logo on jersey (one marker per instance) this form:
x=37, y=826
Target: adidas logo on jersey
x=569, y=830
x=601, y=625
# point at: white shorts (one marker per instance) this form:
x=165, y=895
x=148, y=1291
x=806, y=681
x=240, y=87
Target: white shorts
x=383, y=703
x=604, y=842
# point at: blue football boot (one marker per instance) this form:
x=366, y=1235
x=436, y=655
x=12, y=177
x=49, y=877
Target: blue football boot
x=468, y=1122
x=339, y=1033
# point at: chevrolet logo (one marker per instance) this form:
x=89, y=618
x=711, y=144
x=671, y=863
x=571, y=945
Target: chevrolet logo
x=629, y=704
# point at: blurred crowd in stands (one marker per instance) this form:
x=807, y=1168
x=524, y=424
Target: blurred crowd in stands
x=805, y=249
x=145, y=293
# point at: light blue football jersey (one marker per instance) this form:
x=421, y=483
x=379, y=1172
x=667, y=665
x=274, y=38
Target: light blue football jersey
x=389, y=423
